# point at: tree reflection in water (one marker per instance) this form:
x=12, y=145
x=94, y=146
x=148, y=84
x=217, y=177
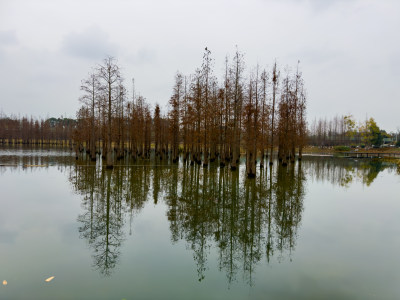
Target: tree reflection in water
x=343, y=172
x=102, y=220
x=244, y=220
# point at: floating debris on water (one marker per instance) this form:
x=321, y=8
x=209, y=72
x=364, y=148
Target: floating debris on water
x=5, y=282
x=49, y=279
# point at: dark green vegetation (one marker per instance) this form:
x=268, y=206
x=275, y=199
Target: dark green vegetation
x=342, y=148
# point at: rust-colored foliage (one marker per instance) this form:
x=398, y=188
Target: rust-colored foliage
x=205, y=120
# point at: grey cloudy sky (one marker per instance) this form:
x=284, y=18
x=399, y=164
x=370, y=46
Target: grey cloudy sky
x=349, y=49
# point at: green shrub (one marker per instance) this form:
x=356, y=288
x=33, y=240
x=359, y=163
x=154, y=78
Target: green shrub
x=342, y=148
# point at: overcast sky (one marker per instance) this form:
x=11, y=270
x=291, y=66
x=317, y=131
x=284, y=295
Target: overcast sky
x=349, y=49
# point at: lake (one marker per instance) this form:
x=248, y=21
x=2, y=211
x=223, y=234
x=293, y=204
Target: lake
x=325, y=228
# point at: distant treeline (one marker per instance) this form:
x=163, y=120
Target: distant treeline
x=206, y=120
x=29, y=130
x=344, y=130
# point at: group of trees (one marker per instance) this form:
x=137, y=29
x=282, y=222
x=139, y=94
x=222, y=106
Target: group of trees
x=344, y=130
x=108, y=123
x=30, y=131
x=205, y=120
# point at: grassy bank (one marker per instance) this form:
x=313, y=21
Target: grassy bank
x=338, y=149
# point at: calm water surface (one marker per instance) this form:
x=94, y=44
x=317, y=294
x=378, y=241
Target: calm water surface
x=323, y=229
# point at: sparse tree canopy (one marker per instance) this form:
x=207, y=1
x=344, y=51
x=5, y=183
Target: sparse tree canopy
x=206, y=120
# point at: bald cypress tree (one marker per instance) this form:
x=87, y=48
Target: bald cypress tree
x=157, y=131
x=174, y=114
x=237, y=103
x=110, y=79
x=206, y=93
x=264, y=117
x=90, y=86
x=275, y=80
